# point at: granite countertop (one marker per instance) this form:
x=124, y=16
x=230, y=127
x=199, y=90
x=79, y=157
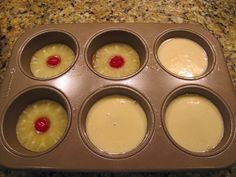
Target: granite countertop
x=218, y=16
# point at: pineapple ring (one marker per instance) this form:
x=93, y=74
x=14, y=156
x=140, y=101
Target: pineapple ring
x=42, y=67
x=103, y=56
x=34, y=140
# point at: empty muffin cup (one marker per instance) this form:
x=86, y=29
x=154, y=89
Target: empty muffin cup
x=184, y=54
x=116, y=122
x=36, y=121
x=48, y=54
x=116, y=54
x=197, y=120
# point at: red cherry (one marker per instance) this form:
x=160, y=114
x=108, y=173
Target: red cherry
x=53, y=61
x=42, y=124
x=117, y=62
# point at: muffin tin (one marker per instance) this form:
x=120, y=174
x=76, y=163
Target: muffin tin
x=80, y=86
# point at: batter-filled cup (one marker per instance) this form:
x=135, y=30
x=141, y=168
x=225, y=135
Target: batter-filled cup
x=183, y=57
x=116, y=124
x=194, y=123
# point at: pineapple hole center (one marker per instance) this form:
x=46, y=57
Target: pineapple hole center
x=42, y=124
x=53, y=61
x=117, y=61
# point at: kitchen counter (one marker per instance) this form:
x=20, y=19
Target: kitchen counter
x=219, y=17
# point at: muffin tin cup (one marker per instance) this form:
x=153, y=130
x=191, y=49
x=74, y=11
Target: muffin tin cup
x=41, y=39
x=80, y=86
x=218, y=102
x=123, y=91
x=15, y=108
x=121, y=36
x=191, y=35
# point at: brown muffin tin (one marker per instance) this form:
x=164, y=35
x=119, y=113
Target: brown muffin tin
x=80, y=86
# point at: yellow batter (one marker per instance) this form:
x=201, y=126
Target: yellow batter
x=194, y=123
x=116, y=124
x=183, y=57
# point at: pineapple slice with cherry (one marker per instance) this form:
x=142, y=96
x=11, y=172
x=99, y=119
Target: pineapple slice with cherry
x=116, y=60
x=41, y=125
x=51, y=60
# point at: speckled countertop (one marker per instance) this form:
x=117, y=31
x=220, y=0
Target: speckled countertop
x=218, y=16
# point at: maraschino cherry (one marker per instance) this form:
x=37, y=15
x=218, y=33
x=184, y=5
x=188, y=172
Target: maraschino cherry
x=42, y=124
x=53, y=61
x=117, y=62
